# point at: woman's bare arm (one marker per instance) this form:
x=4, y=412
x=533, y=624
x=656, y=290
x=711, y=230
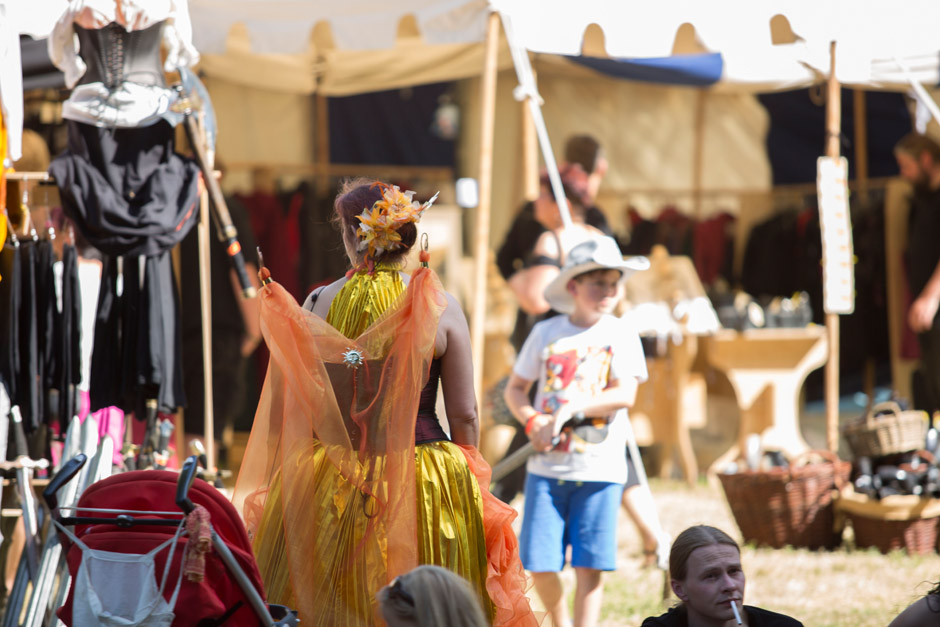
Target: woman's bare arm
x=460, y=402
x=528, y=284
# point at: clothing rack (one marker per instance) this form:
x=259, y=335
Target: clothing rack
x=33, y=181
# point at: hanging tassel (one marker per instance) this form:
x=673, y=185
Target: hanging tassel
x=424, y=256
x=199, y=529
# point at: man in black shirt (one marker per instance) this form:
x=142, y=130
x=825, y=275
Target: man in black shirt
x=918, y=158
x=236, y=330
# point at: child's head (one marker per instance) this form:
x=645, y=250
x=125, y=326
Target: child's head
x=592, y=278
x=596, y=291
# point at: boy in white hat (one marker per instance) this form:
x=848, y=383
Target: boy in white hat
x=587, y=364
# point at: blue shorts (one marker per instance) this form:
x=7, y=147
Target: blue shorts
x=579, y=514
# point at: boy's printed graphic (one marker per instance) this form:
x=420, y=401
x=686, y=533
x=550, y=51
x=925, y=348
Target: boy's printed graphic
x=571, y=374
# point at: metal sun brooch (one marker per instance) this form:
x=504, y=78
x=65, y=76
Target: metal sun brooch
x=353, y=358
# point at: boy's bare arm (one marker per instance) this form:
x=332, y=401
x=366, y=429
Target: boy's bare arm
x=538, y=426
x=619, y=394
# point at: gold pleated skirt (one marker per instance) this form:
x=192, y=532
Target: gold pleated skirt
x=350, y=562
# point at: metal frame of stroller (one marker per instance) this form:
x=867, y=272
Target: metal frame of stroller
x=126, y=519
x=37, y=591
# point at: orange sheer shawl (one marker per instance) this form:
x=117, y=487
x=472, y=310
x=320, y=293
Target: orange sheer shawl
x=298, y=401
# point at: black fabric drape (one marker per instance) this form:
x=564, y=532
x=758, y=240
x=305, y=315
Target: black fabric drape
x=11, y=295
x=133, y=198
x=28, y=395
x=136, y=351
x=126, y=190
x=66, y=371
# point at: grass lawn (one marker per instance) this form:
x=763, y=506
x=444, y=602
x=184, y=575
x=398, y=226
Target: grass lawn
x=841, y=588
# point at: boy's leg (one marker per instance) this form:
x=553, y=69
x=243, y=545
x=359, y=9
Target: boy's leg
x=542, y=541
x=593, y=536
x=551, y=591
x=588, y=596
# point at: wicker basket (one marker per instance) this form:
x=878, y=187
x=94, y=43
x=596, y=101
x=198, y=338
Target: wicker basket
x=789, y=506
x=895, y=522
x=886, y=430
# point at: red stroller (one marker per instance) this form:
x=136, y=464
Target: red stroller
x=135, y=513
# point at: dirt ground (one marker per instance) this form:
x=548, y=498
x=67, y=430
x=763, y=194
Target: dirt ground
x=840, y=588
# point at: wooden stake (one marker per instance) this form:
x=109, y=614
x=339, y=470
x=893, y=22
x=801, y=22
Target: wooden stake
x=833, y=125
x=482, y=223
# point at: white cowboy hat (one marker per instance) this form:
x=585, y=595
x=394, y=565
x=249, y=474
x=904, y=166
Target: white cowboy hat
x=594, y=254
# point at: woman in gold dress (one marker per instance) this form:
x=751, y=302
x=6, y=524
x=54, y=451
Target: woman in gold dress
x=349, y=479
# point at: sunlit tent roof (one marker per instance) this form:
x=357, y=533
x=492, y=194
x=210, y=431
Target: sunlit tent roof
x=352, y=46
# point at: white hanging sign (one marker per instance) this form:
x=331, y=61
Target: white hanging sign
x=838, y=257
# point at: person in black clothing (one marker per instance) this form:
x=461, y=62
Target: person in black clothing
x=923, y=611
x=706, y=575
x=236, y=331
x=918, y=158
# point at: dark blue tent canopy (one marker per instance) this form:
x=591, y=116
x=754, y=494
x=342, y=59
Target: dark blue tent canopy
x=695, y=70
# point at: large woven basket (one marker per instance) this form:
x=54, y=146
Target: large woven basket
x=886, y=430
x=789, y=506
x=895, y=522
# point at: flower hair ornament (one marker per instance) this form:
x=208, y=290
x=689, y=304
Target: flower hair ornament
x=378, y=226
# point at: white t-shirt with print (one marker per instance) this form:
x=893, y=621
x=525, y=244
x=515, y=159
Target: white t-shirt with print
x=568, y=362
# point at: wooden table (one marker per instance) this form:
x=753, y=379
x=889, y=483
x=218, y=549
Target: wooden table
x=663, y=414
x=767, y=368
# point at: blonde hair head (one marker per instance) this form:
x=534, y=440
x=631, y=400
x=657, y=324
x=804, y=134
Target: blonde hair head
x=429, y=596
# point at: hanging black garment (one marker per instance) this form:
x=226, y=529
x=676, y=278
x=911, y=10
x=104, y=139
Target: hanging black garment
x=28, y=395
x=11, y=298
x=46, y=308
x=131, y=195
x=66, y=370
x=126, y=190
x=136, y=352
x=108, y=370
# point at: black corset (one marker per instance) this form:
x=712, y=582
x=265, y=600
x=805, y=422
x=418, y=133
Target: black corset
x=114, y=55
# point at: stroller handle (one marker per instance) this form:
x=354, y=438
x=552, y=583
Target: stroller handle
x=187, y=475
x=68, y=470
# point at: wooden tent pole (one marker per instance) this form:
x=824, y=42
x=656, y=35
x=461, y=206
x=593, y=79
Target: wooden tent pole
x=698, y=154
x=860, y=111
x=530, y=153
x=205, y=302
x=322, y=143
x=833, y=125
x=481, y=247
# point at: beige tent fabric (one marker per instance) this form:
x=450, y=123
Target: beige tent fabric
x=259, y=126
x=648, y=132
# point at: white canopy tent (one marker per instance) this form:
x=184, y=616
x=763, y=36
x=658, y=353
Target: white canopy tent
x=302, y=47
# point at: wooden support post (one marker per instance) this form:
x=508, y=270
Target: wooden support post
x=203, y=230
x=833, y=125
x=322, y=143
x=860, y=111
x=698, y=155
x=481, y=246
x=530, y=154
